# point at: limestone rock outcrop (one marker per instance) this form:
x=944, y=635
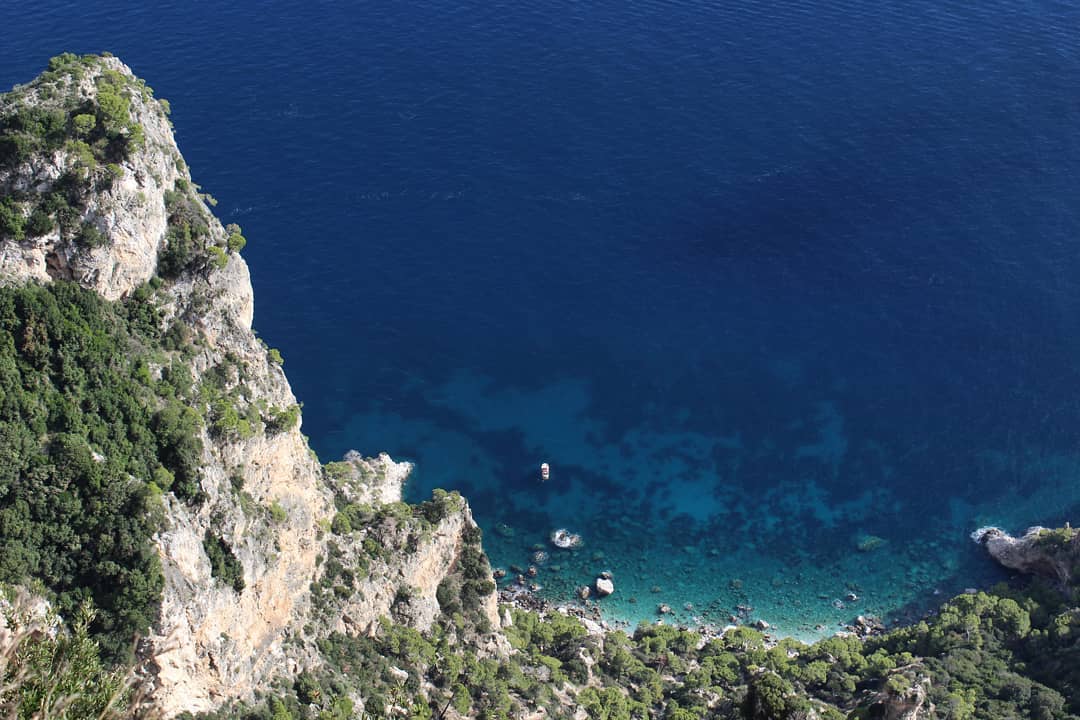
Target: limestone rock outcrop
x=1052, y=554
x=130, y=212
x=403, y=557
x=374, y=481
x=905, y=696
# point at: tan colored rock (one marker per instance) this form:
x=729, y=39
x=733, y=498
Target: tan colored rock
x=420, y=572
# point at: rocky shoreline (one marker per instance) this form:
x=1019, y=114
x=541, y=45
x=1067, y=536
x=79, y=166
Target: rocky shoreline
x=591, y=615
x=1051, y=554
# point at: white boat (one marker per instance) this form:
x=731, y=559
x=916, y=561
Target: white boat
x=545, y=472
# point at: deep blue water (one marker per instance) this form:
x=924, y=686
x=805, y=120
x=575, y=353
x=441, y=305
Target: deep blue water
x=758, y=279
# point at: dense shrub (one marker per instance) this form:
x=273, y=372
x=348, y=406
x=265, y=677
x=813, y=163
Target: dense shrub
x=281, y=419
x=81, y=444
x=187, y=245
x=39, y=223
x=12, y=219
x=90, y=237
x=224, y=564
x=236, y=241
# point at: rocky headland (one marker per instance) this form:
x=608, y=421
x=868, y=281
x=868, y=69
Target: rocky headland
x=113, y=208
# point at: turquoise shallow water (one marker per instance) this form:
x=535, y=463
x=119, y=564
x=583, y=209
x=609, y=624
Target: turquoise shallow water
x=757, y=279
x=666, y=513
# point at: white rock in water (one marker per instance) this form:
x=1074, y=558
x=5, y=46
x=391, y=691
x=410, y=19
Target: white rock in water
x=563, y=538
x=604, y=586
x=979, y=535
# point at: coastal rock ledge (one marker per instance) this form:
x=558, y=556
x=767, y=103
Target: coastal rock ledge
x=1051, y=554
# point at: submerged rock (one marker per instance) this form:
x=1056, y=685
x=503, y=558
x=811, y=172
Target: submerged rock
x=868, y=543
x=563, y=538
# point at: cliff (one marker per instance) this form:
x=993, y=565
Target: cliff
x=96, y=192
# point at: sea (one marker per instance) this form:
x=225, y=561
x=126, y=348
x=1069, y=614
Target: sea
x=786, y=293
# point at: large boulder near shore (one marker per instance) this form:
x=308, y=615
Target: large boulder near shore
x=1052, y=554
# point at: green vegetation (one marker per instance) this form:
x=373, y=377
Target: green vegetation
x=90, y=440
x=281, y=419
x=90, y=237
x=188, y=234
x=223, y=562
x=12, y=220
x=228, y=422
x=217, y=256
x=236, y=241
x=277, y=513
x=1057, y=537
x=49, y=114
x=189, y=245
x=84, y=432
x=371, y=536
x=994, y=655
x=58, y=675
x=40, y=222
x=98, y=134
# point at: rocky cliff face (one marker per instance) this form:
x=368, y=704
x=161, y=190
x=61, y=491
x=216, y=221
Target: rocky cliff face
x=120, y=191
x=406, y=557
